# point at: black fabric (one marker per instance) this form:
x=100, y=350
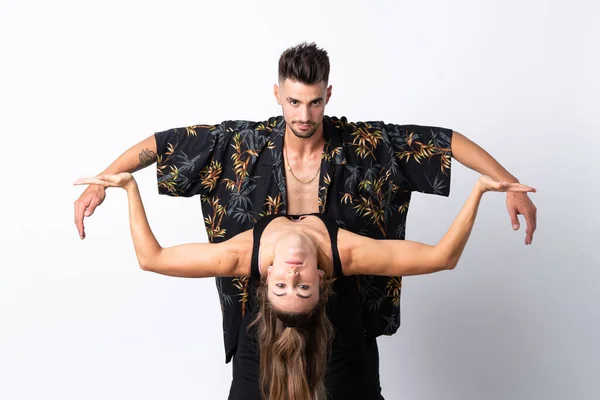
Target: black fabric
x=257, y=232
x=261, y=224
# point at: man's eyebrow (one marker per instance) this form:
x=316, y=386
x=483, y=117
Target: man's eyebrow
x=293, y=99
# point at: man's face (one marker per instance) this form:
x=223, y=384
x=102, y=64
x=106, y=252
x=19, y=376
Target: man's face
x=303, y=105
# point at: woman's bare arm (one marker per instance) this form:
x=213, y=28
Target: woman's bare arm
x=365, y=256
x=193, y=260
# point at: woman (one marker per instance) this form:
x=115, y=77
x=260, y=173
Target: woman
x=296, y=259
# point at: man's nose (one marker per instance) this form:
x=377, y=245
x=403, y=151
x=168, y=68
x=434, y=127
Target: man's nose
x=304, y=114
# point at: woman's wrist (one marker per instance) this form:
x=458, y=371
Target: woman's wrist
x=131, y=185
x=480, y=187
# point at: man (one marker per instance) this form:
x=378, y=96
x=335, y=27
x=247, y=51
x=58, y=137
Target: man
x=362, y=174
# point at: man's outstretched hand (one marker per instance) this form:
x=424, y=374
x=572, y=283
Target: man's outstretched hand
x=86, y=204
x=520, y=203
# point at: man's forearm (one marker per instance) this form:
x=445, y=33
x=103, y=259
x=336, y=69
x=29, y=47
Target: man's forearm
x=474, y=157
x=137, y=157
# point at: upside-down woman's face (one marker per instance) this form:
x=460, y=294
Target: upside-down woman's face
x=294, y=279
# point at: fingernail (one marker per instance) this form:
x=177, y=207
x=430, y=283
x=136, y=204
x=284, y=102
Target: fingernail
x=515, y=227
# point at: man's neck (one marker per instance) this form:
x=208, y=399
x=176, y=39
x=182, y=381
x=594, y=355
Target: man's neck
x=304, y=146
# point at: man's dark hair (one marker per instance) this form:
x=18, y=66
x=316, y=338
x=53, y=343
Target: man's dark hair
x=304, y=63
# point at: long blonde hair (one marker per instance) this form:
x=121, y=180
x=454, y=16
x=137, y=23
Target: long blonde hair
x=294, y=348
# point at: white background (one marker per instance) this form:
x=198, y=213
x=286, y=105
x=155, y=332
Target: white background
x=82, y=81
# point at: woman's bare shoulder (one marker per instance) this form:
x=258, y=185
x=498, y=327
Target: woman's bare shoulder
x=349, y=247
x=239, y=248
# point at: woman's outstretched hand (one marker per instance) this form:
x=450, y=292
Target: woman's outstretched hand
x=122, y=180
x=487, y=184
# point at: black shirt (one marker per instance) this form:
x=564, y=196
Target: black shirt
x=368, y=172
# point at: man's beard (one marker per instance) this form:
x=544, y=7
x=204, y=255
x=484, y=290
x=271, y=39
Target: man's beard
x=304, y=134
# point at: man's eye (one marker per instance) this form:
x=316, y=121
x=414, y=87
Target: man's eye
x=316, y=102
x=293, y=102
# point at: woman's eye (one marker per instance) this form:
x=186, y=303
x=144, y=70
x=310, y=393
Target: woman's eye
x=280, y=285
x=304, y=287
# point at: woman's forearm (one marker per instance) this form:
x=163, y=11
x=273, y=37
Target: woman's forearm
x=146, y=246
x=453, y=243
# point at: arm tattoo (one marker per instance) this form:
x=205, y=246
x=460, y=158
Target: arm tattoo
x=147, y=157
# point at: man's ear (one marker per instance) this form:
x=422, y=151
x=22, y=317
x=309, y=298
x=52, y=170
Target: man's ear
x=276, y=93
x=328, y=94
